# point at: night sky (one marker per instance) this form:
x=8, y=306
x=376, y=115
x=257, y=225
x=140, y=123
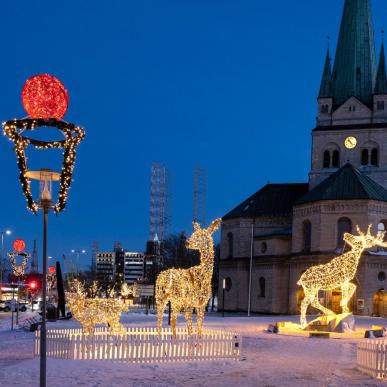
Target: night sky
x=230, y=85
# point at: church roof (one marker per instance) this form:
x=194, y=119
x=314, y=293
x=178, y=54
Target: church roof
x=354, y=69
x=271, y=200
x=348, y=183
x=381, y=78
x=325, y=86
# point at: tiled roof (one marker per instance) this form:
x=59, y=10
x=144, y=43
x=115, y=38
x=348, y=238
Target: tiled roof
x=271, y=200
x=348, y=183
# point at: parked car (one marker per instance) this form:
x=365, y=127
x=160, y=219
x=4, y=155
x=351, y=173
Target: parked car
x=10, y=305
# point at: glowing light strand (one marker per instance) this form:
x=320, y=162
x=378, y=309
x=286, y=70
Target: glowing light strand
x=191, y=288
x=92, y=311
x=18, y=270
x=336, y=274
x=73, y=136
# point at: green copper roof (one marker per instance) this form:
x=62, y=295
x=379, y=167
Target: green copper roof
x=381, y=78
x=325, y=87
x=348, y=183
x=354, y=70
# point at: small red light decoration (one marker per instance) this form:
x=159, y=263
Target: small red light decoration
x=33, y=285
x=51, y=270
x=45, y=96
x=19, y=245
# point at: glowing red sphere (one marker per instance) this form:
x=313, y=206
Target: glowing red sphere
x=51, y=270
x=19, y=245
x=45, y=96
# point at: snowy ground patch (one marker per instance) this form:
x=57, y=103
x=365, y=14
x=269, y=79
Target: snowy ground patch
x=267, y=360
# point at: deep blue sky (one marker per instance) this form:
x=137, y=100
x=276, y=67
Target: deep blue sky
x=229, y=84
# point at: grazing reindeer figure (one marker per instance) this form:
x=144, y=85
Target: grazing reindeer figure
x=187, y=289
x=337, y=273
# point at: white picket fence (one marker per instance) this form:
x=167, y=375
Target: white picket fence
x=372, y=357
x=140, y=345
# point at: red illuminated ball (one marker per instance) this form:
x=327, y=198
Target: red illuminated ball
x=51, y=269
x=19, y=245
x=45, y=96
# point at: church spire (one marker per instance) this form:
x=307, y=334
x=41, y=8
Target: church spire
x=354, y=70
x=381, y=78
x=326, y=81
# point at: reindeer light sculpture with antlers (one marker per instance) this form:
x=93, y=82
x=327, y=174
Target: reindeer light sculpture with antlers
x=191, y=288
x=337, y=273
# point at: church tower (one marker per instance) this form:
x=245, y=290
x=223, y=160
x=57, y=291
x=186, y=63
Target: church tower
x=352, y=102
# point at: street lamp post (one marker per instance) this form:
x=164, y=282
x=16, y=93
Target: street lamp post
x=6, y=232
x=77, y=252
x=45, y=100
x=45, y=178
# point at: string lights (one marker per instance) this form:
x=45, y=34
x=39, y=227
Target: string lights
x=18, y=270
x=191, y=288
x=336, y=274
x=128, y=291
x=45, y=96
x=92, y=311
x=13, y=129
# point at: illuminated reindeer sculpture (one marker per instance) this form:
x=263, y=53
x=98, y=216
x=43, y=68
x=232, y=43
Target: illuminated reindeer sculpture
x=337, y=273
x=191, y=288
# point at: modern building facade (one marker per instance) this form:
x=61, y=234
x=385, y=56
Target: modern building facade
x=106, y=265
x=283, y=229
x=134, y=267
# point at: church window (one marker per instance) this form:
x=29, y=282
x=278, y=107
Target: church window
x=227, y=284
x=230, y=244
x=382, y=276
x=262, y=287
x=335, y=159
x=380, y=105
x=263, y=247
x=327, y=159
x=364, y=157
x=343, y=225
x=374, y=157
x=324, y=108
x=382, y=226
x=307, y=236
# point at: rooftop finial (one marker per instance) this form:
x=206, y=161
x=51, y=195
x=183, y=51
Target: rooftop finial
x=328, y=42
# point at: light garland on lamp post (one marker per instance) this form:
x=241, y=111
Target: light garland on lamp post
x=46, y=100
x=191, y=288
x=336, y=274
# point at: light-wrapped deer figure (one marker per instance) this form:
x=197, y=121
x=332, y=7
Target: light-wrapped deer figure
x=337, y=274
x=191, y=288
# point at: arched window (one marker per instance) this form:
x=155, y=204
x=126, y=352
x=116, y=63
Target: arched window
x=227, y=284
x=343, y=225
x=336, y=159
x=230, y=244
x=374, y=157
x=307, y=236
x=327, y=159
x=364, y=157
x=262, y=287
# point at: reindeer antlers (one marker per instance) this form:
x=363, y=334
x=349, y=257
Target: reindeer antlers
x=212, y=228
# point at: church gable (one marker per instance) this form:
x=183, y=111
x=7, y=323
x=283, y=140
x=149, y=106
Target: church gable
x=352, y=112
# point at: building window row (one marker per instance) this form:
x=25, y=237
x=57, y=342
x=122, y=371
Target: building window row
x=370, y=157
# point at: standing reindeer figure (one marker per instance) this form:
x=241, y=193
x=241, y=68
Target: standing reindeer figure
x=187, y=289
x=337, y=273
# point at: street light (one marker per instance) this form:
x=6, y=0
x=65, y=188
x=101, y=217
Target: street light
x=45, y=100
x=6, y=232
x=77, y=252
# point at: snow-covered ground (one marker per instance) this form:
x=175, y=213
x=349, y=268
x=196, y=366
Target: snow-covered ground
x=267, y=360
